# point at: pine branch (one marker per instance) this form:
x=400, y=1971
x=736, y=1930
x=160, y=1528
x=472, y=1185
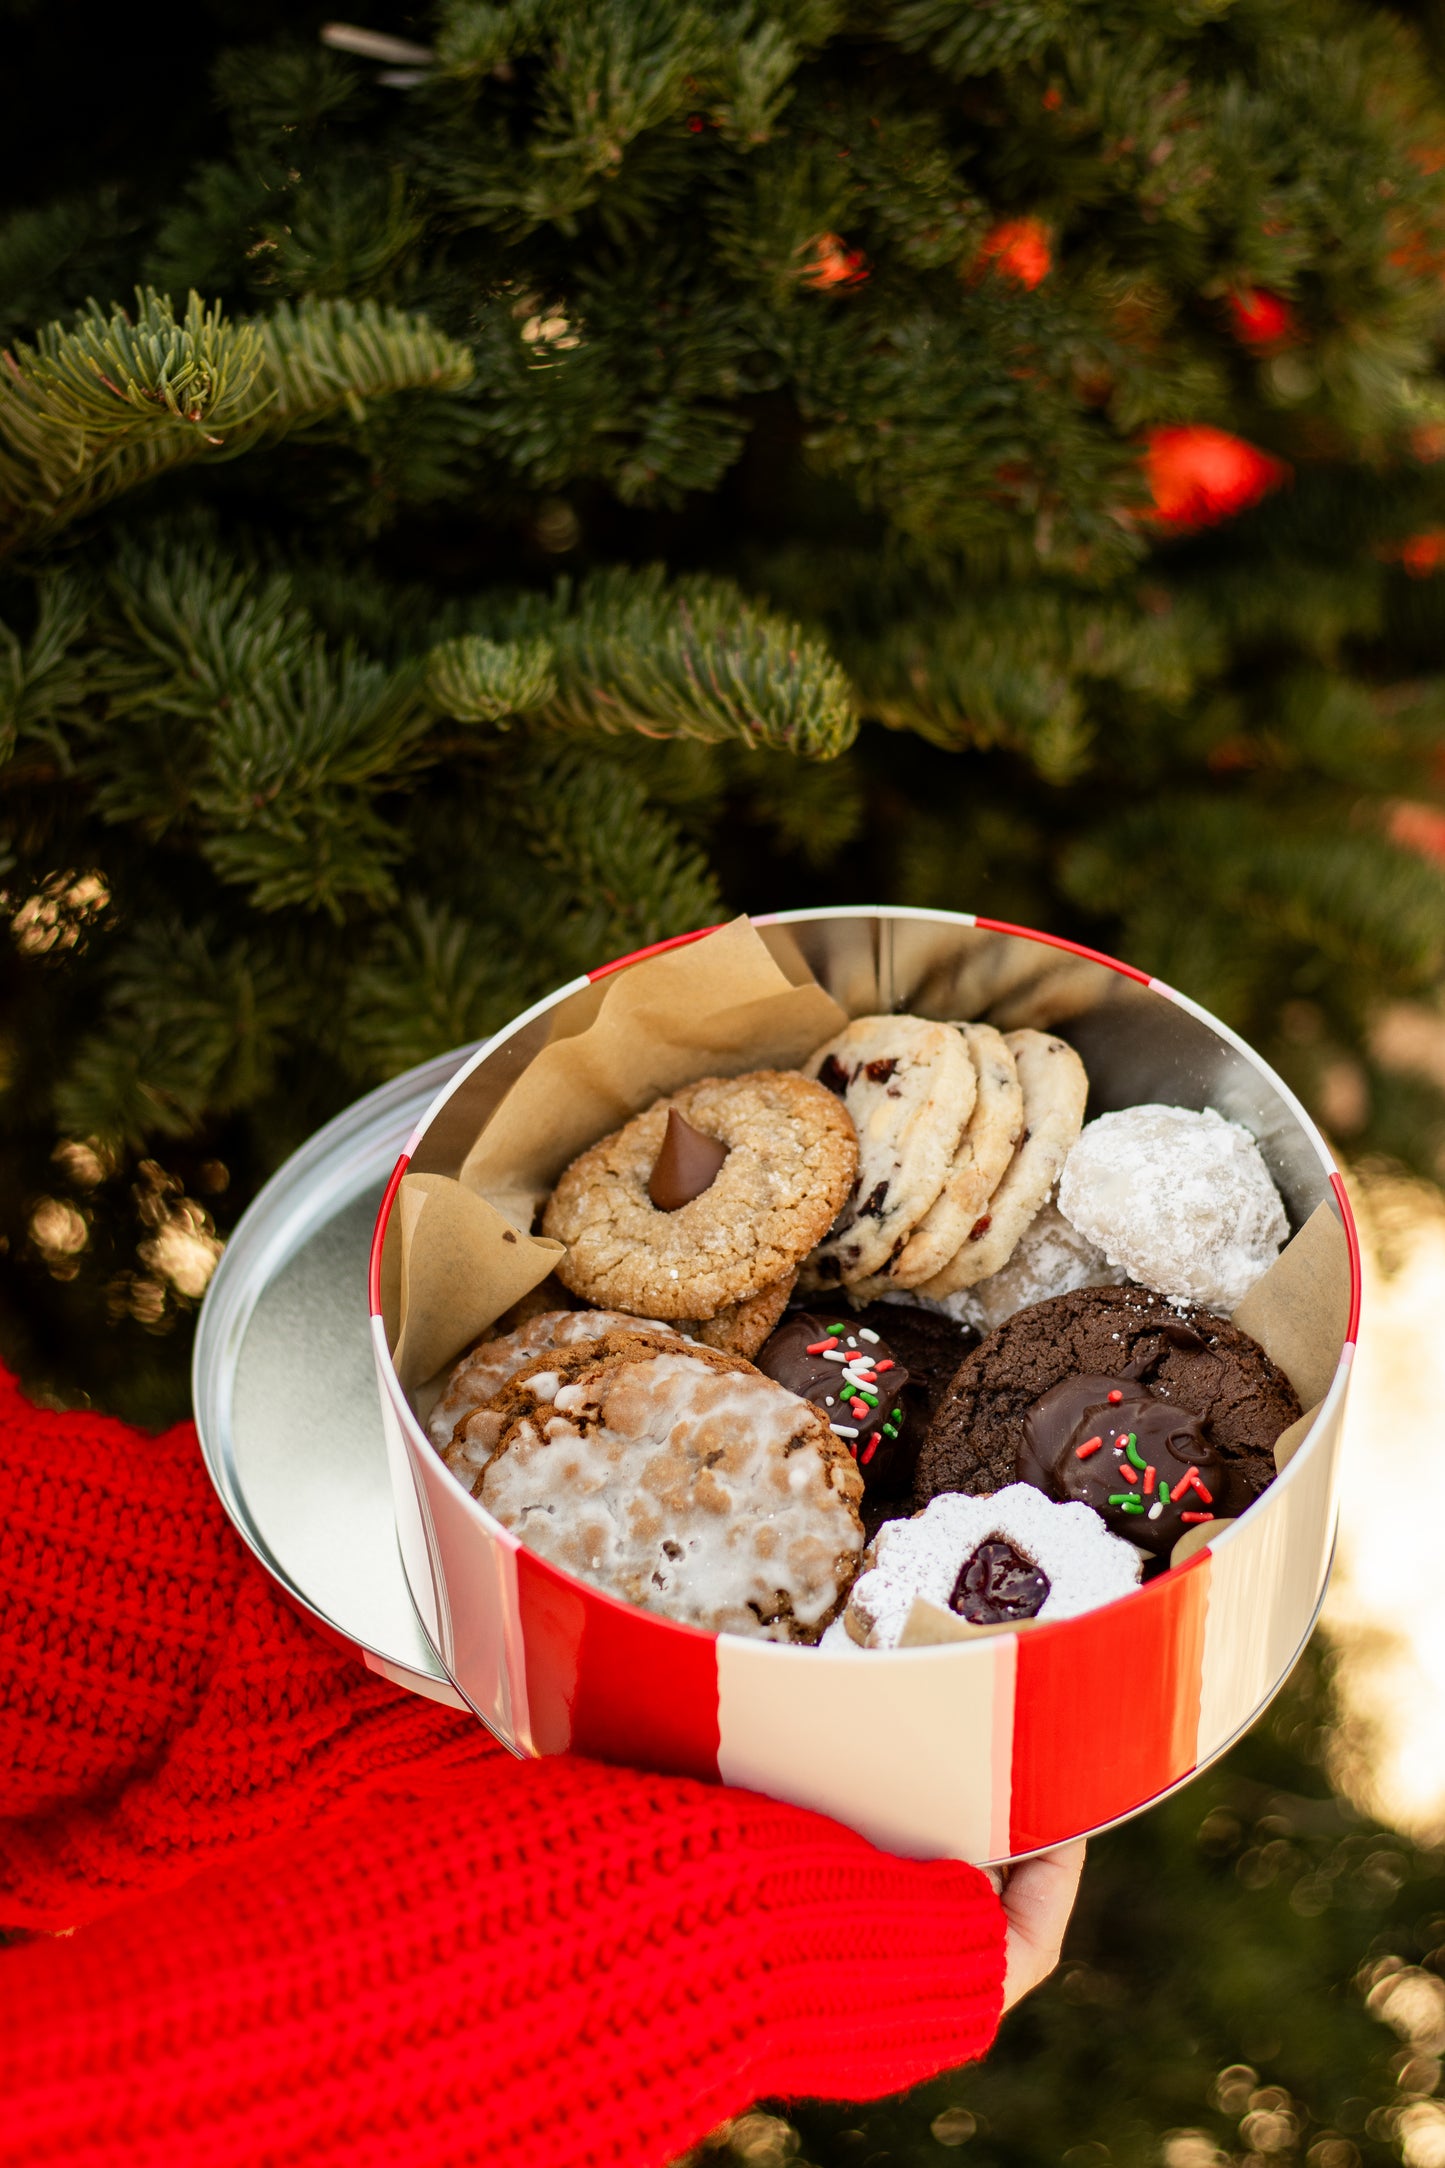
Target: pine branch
x=689, y=659
x=194, y=1025
x=481, y=681
x=118, y=400
x=620, y=875
x=42, y=682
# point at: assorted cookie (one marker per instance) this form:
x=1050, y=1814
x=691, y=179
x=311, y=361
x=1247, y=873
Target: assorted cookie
x=789, y=1163
x=1180, y=1200
x=1188, y=1357
x=901, y=1297
x=687, y=1483
x=990, y=1561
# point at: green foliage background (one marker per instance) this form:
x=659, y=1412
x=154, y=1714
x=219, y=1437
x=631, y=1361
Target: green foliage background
x=468, y=512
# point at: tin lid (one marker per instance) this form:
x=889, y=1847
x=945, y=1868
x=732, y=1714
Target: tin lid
x=284, y=1384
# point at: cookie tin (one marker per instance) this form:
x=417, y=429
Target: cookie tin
x=986, y=1749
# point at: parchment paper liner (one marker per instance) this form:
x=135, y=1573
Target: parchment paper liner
x=459, y=1251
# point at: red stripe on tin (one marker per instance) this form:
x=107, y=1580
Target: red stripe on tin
x=1106, y=1708
x=1056, y=940
x=654, y=948
x=1337, y=1184
x=608, y=1680
x=378, y=1234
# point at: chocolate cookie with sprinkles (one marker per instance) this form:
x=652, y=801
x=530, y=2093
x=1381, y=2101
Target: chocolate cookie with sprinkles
x=850, y=1373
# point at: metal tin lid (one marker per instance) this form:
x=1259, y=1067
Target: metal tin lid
x=285, y=1388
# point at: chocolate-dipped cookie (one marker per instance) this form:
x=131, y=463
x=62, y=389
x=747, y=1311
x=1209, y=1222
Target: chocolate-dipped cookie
x=1187, y=1358
x=1147, y=1467
x=853, y=1376
x=929, y=1345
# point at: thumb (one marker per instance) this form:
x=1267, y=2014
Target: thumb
x=1038, y=1897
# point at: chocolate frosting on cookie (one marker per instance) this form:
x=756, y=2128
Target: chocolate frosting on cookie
x=853, y=1376
x=1149, y=1469
x=1187, y=1357
x=686, y=1165
x=930, y=1347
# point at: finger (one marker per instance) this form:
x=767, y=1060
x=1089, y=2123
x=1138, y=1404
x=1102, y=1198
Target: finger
x=1038, y=1897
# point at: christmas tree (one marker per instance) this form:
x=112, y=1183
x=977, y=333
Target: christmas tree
x=484, y=490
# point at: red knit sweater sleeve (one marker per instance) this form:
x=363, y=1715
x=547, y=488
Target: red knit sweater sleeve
x=325, y=1921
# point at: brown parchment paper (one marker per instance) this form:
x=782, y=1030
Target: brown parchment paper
x=1298, y=1312
x=718, y=1007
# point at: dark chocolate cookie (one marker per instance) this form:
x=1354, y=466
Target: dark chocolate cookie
x=1188, y=1356
x=930, y=1347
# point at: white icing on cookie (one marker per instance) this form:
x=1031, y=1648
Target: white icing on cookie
x=485, y=1369
x=1086, y=1566
x=1181, y=1201
x=694, y=1487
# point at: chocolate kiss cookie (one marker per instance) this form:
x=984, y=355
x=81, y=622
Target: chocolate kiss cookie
x=1186, y=1357
x=1147, y=1468
x=855, y=1380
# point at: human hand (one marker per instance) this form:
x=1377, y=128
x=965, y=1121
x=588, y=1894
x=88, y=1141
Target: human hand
x=1038, y=1898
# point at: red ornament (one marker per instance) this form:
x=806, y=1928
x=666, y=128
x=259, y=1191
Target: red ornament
x=1419, y=828
x=830, y=262
x=1198, y=475
x=1421, y=554
x=1261, y=319
x=1018, y=249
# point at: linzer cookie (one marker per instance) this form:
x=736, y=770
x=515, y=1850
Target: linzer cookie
x=689, y=1484
x=726, y=1230
x=1186, y=1357
x=909, y=1087
x=991, y=1561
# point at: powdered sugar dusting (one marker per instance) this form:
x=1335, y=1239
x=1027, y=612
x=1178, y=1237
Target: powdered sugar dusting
x=1181, y=1201
x=1086, y=1566
x=1052, y=1258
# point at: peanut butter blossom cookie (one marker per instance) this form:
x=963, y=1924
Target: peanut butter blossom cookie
x=789, y=1157
x=689, y=1484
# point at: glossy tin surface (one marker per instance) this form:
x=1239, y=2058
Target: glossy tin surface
x=285, y=1387
x=984, y=1750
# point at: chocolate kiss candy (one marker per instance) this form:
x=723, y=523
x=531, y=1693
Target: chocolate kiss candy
x=687, y=1164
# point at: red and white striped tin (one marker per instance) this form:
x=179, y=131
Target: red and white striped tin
x=986, y=1749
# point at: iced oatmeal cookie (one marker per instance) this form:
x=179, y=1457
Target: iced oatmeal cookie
x=691, y=1485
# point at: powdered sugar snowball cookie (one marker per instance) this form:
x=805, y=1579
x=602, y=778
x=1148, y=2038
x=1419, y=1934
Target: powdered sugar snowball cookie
x=989, y=1140
x=1055, y=1089
x=1052, y=1258
x=486, y=1367
x=909, y=1086
x=535, y=1385
x=1179, y=1199
x=994, y=1560
x=791, y=1160
x=691, y=1485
